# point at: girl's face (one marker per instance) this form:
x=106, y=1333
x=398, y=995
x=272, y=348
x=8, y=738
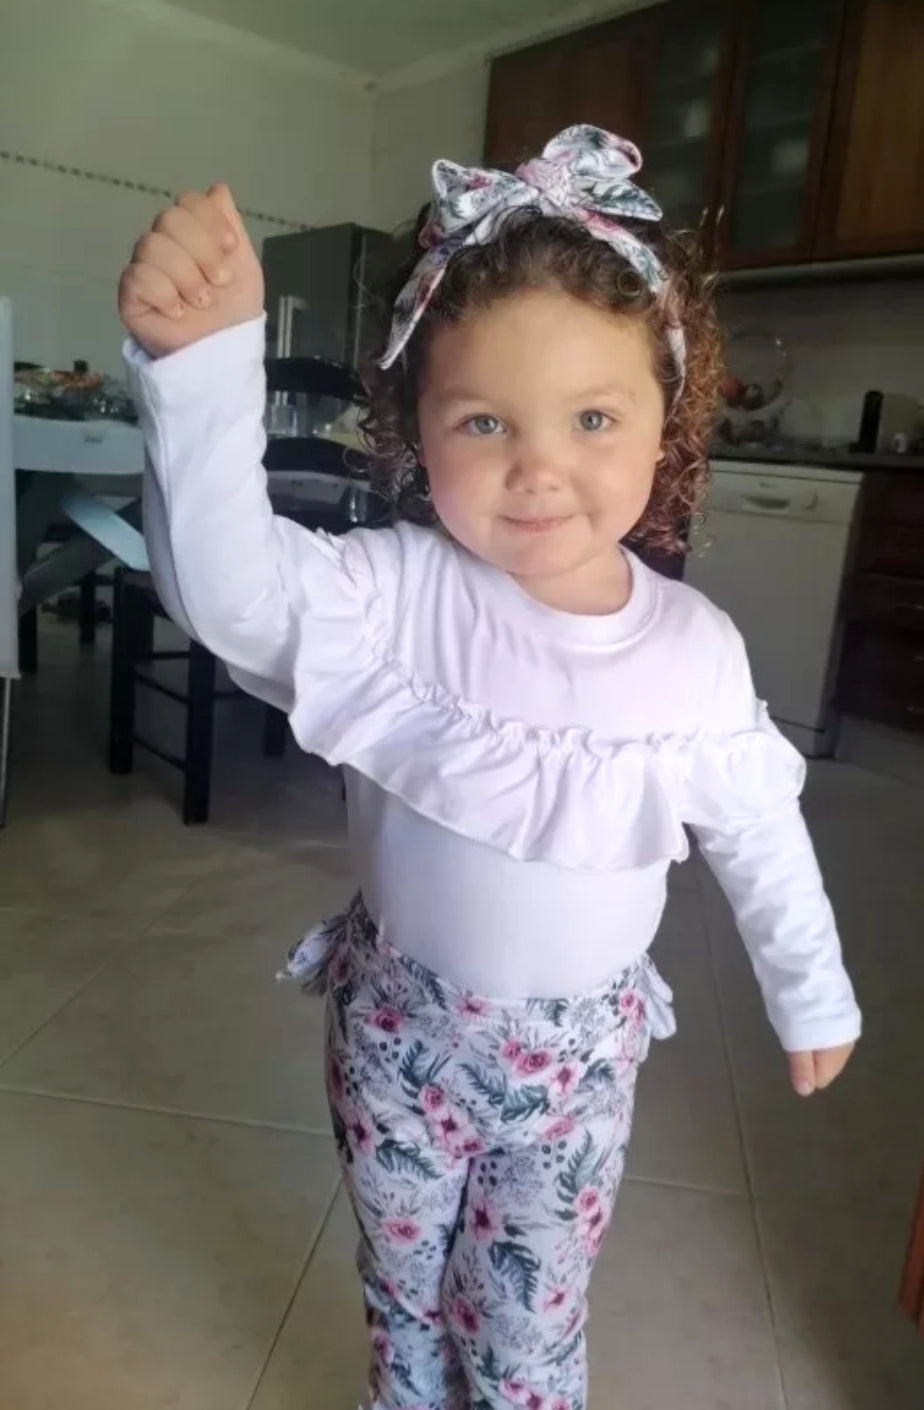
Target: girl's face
x=540, y=423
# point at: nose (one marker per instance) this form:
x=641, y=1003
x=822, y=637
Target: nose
x=534, y=469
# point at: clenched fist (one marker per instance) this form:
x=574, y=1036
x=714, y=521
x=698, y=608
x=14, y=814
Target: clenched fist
x=193, y=273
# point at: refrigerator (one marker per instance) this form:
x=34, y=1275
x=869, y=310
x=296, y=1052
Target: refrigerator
x=324, y=289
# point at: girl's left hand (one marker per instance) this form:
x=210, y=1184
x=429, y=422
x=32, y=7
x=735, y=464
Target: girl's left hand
x=810, y=1072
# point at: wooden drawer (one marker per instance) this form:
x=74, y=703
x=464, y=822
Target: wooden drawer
x=894, y=606
x=882, y=678
x=894, y=499
x=892, y=548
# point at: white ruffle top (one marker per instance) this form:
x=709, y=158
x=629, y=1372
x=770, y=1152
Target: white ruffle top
x=519, y=778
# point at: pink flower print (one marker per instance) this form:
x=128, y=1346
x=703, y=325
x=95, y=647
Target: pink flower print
x=469, y=1147
x=588, y=1201
x=559, y=1129
x=340, y=969
x=434, y=1317
x=535, y=1400
x=632, y=1005
x=556, y=1298
x=448, y=1128
x=465, y=1315
x=511, y=1049
x=471, y=1005
x=335, y=1073
x=359, y=1132
x=387, y=1018
x=381, y=1345
x=515, y=1391
x=593, y=1242
x=433, y=1098
x=560, y=1403
x=482, y=1222
x=564, y=1081
x=402, y=1230
x=530, y=1063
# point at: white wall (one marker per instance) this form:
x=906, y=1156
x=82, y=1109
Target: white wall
x=143, y=93
x=441, y=117
x=843, y=341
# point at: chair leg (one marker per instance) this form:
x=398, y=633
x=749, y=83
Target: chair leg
x=275, y=727
x=130, y=614
x=197, y=776
x=28, y=642
x=87, y=610
x=6, y=708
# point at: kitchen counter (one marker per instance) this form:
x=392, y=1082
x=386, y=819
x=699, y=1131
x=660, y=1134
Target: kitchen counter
x=825, y=459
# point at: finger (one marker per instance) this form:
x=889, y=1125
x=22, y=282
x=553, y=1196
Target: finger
x=159, y=251
x=221, y=195
x=188, y=231
x=209, y=215
x=830, y=1063
x=802, y=1073
x=145, y=289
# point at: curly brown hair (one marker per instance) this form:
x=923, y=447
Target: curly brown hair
x=533, y=250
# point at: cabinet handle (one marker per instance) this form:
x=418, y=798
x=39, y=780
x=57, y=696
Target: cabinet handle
x=720, y=216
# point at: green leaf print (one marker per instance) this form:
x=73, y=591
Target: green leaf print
x=578, y=1171
x=520, y=1266
x=524, y=1102
x=490, y=1085
x=552, y=1010
x=598, y=1074
x=414, y=1073
x=405, y=1158
x=514, y=1103
x=427, y=980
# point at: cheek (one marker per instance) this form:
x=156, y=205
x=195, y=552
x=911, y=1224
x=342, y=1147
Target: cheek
x=463, y=478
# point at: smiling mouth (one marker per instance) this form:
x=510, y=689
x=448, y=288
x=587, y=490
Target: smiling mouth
x=537, y=526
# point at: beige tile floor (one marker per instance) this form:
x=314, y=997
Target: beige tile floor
x=172, y=1235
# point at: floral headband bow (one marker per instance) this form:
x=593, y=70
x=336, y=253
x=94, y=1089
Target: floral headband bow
x=583, y=174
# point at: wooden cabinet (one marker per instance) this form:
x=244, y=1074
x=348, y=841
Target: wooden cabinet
x=784, y=130
x=785, y=66
x=912, y=1293
x=882, y=666
x=599, y=75
x=691, y=71
x=873, y=201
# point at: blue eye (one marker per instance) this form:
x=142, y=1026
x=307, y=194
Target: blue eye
x=594, y=420
x=483, y=425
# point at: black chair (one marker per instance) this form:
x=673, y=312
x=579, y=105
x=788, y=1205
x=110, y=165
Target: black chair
x=136, y=604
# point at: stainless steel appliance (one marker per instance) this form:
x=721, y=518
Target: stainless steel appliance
x=321, y=287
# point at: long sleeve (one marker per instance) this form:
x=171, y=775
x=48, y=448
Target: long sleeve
x=231, y=573
x=744, y=811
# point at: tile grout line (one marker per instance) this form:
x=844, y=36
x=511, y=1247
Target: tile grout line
x=116, y=946
x=287, y=1311
x=249, y=1123
x=745, y=1157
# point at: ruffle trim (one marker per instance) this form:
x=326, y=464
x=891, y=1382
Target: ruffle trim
x=566, y=796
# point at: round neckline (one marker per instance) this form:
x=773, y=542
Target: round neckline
x=599, y=628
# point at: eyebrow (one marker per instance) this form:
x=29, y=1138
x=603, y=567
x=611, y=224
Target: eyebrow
x=457, y=394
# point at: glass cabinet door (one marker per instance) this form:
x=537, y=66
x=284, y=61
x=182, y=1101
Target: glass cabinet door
x=687, y=111
x=785, y=82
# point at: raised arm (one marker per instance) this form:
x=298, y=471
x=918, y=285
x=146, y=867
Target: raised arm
x=229, y=571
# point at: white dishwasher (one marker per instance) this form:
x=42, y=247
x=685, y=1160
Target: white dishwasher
x=773, y=553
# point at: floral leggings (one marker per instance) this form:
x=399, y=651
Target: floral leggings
x=482, y=1143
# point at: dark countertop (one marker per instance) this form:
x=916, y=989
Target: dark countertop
x=825, y=458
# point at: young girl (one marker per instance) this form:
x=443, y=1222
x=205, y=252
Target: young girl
x=528, y=717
